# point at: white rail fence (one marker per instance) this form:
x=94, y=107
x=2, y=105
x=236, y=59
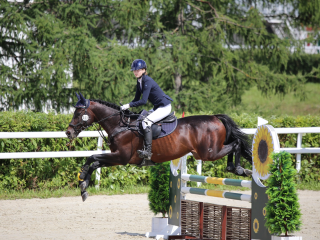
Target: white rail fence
x=60, y=154
x=57, y=154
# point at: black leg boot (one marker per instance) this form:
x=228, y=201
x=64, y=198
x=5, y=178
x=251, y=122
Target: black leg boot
x=146, y=153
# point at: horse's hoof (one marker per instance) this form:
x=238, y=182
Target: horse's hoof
x=239, y=171
x=84, y=196
x=83, y=186
x=248, y=172
x=230, y=169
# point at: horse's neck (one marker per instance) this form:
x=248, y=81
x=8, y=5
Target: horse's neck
x=104, y=112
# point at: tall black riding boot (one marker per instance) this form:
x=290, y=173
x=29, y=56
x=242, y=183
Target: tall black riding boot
x=146, y=153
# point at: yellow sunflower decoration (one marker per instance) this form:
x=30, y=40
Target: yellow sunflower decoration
x=265, y=141
x=262, y=149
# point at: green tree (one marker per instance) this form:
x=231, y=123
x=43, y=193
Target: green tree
x=188, y=46
x=283, y=209
x=52, y=44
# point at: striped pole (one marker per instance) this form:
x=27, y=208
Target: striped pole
x=215, y=180
x=215, y=193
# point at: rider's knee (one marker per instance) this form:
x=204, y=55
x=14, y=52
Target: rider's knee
x=146, y=123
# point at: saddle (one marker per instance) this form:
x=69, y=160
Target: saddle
x=161, y=128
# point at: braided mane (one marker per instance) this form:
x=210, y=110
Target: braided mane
x=111, y=105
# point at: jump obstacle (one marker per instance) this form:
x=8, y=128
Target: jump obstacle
x=198, y=220
x=215, y=193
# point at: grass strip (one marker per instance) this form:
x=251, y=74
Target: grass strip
x=69, y=192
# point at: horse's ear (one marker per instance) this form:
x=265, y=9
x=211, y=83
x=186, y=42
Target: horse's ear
x=82, y=99
x=78, y=96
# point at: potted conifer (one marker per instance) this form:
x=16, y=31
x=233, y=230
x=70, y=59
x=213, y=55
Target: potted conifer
x=159, y=195
x=283, y=209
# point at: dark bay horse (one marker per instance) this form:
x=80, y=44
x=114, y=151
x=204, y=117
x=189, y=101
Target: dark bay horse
x=207, y=137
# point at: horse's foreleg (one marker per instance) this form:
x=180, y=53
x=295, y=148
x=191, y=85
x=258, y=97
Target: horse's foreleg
x=85, y=183
x=98, y=160
x=85, y=168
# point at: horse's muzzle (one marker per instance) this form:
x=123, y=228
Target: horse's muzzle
x=70, y=134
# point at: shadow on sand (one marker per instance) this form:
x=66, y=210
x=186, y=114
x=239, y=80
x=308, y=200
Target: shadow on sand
x=131, y=234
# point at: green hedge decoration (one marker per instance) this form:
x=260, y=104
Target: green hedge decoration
x=159, y=188
x=283, y=209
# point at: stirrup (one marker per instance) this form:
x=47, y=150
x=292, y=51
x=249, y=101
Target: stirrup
x=146, y=163
x=144, y=154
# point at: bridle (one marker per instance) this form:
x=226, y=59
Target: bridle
x=83, y=124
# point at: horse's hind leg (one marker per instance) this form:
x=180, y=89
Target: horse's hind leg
x=234, y=147
x=238, y=169
x=230, y=165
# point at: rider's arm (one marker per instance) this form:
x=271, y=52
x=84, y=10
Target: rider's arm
x=137, y=96
x=146, y=91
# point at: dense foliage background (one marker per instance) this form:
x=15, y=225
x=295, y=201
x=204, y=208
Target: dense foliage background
x=50, y=49
x=54, y=173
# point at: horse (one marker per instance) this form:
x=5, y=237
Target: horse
x=207, y=137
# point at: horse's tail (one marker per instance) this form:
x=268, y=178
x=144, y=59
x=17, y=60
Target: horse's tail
x=234, y=133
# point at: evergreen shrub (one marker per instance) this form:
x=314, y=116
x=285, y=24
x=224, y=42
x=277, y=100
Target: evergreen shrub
x=159, y=188
x=283, y=209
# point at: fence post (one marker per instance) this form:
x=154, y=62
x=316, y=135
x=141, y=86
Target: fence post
x=298, y=157
x=183, y=171
x=98, y=171
x=199, y=170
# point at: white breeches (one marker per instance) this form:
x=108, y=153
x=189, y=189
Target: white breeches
x=156, y=116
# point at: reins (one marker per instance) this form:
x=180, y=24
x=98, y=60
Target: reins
x=123, y=115
x=126, y=126
x=83, y=124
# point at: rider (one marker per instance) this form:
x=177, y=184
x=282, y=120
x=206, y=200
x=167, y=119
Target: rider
x=161, y=103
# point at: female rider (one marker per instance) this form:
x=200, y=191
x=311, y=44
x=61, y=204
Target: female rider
x=161, y=102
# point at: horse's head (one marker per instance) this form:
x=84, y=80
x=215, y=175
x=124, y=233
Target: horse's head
x=82, y=117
